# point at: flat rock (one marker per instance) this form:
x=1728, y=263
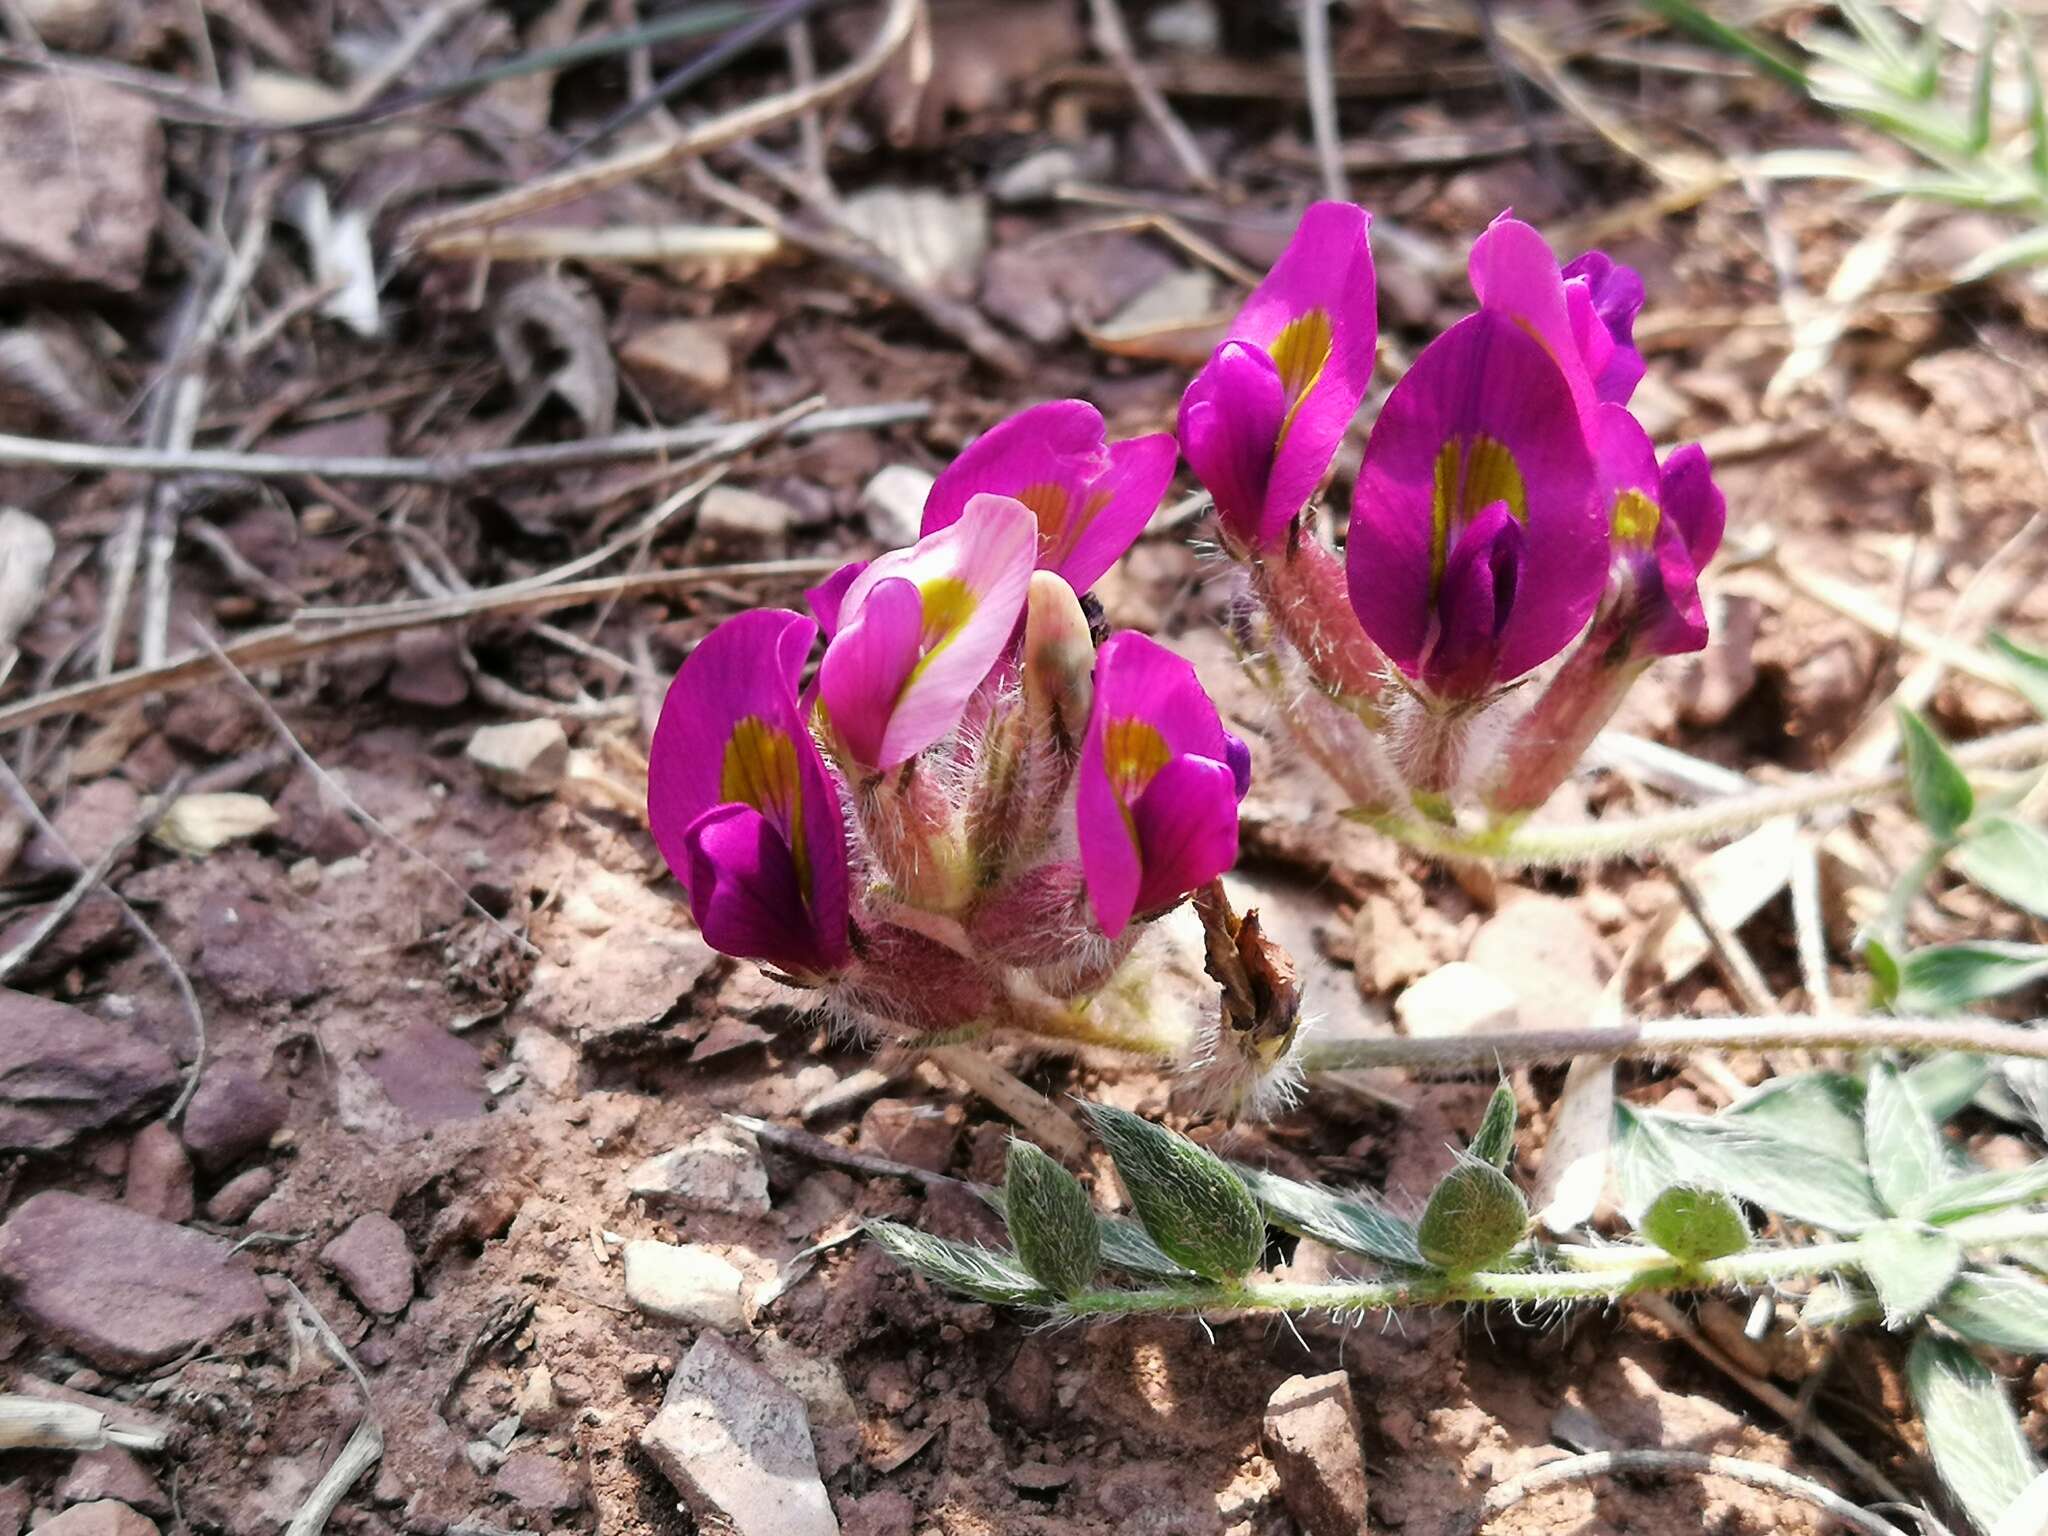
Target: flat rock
x=94, y=928
x=615, y=989
x=14, y=1507
x=159, y=1180
x=112, y=1473
x=737, y=1445
x=717, y=1170
x=1456, y=999
x=679, y=364
x=431, y=1075
x=739, y=520
x=125, y=1290
x=254, y=957
x=102, y=1517
x=521, y=759
x=234, y=1200
x=64, y=1072
x=684, y=1283
x=923, y=1135
x=550, y=1062
x=234, y=1113
x=374, y=1262
x=75, y=217
x=93, y=818
x=1547, y=952
x=893, y=503
x=541, y=1484
x=1312, y=1436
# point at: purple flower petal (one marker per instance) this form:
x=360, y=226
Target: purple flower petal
x=868, y=663
x=730, y=734
x=826, y=597
x=1516, y=275
x=1186, y=826
x=1239, y=757
x=1229, y=419
x=1474, y=602
x=1138, y=678
x=1058, y=445
x=1317, y=315
x=1613, y=294
x=1693, y=503
x=1484, y=415
x=1105, y=519
x=746, y=894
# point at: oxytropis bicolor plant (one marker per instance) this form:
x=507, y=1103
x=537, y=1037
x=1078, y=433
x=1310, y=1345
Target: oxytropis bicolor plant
x=1508, y=505
x=967, y=814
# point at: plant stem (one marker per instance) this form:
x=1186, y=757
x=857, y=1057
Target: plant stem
x=1517, y=843
x=1671, y=1037
x=1758, y=1266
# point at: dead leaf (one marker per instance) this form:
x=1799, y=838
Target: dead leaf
x=197, y=825
x=342, y=259
x=26, y=547
x=1735, y=882
x=1178, y=320
x=546, y=318
x=940, y=241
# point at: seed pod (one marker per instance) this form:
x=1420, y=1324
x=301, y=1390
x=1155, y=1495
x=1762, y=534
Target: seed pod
x=1192, y=1205
x=1495, y=1142
x=1694, y=1224
x=1475, y=1215
x=1052, y=1221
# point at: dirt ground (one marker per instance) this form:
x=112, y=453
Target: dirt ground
x=377, y=1042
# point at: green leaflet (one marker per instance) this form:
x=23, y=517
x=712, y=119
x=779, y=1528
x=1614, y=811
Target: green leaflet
x=1972, y=1194
x=1942, y=797
x=1051, y=1220
x=2004, y=1307
x=1909, y=1267
x=1353, y=1223
x=1908, y=1157
x=1694, y=1225
x=978, y=1272
x=1495, y=1141
x=1654, y=1151
x=1193, y=1206
x=1971, y=1431
x=1820, y=1110
x=1946, y=977
x=2028, y=668
x=2009, y=858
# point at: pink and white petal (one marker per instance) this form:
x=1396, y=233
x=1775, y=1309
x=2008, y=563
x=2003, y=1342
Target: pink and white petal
x=1186, y=822
x=1515, y=273
x=866, y=667
x=1057, y=443
x=1230, y=417
x=1140, y=469
x=990, y=553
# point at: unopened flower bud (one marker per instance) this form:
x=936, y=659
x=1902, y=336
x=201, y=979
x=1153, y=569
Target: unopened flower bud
x=916, y=984
x=1059, y=662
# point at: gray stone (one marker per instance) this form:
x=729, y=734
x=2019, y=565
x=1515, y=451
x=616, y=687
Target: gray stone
x=93, y=818
x=233, y=1113
x=159, y=1174
x=679, y=364
x=540, y=1483
x=1548, y=953
x=522, y=759
x=374, y=1262
x=67, y=217
x=1456, y=999
x=893, y=503
x=1311, y=1435
x=717, y=1170
x=737, y=1445
x=741, y=520
x=687, y=1284
x=63, y=1072
x=122, y=1289
x=549, y=1061
x=254, y=957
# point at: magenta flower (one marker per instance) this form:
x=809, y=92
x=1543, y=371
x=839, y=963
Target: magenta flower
x=917, y=630
x=1476, y=550
x=1158, y=786
x=1583, y=314
x=1262, y=420
x=1092, y=497
x=1664, y=526
x=741, y=804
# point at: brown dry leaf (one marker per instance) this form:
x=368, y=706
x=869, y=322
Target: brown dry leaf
x=1734, y=882
x=1178, y=320
x=973, y=57
x=544, y=316
x=26, y=548
x=940, y=241
x=198, y=825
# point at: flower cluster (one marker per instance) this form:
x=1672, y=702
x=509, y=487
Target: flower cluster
x=1507, y=504
x=967, y=801
x=968, y=790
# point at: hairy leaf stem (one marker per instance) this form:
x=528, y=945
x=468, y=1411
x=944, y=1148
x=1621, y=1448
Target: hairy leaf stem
x=1641, y=1038
x=1610, y=1281
x=1509, y=841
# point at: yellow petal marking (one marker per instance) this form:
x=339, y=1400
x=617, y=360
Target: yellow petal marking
x=948, y=604
x=1472, y=473
x=760, y=770
x=1133, y=752
x=1301, y=352
x=1635, y=519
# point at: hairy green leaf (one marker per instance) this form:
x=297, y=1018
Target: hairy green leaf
x=1196, y=1210
x=1353, y=1223
x=1990, y=1190
x=2009, y=859
x=1475, y=1216
x=1908, y=1158
x=1976, y=1441
x=2004, y=1307
x=1495, y=1141
x=1644, y=1167
x=1945, y=1083
x=1051, y=1219
x=977, y=1272
x=2027, y=668
x=1763, y=1167
x=1693, y=1224
x=1821, y=1110
x=1942, y=797
x=1125, y=1245
x=1883, y=965
x=2028, y=1515
x=1909, y=1267
x=1945, y=977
